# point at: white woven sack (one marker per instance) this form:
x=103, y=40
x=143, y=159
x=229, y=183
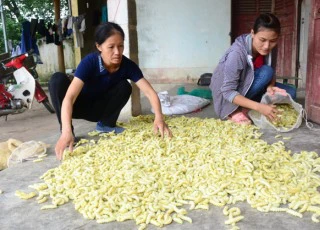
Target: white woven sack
x=262, y=122
x=182, y=104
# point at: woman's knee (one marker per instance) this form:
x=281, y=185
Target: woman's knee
x=125, y=87
x=292, y=92
x=266, y=72
x=57, y=81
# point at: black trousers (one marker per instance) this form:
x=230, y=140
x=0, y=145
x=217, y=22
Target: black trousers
x=105, y=109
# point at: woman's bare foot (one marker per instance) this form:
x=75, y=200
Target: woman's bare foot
x=240, y=117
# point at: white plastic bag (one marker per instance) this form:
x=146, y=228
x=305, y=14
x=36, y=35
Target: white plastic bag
x=262, y=122
x=27, y=151
x=182, y=104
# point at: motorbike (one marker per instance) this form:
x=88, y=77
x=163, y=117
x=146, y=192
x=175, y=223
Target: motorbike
x=19, y=86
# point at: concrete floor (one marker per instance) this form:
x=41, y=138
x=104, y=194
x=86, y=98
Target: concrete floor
x=37, y=124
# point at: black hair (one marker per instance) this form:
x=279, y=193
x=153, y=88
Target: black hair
x=268, y=21
x=106, y=30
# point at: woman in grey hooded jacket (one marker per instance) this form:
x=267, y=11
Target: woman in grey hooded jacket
x=244, y=73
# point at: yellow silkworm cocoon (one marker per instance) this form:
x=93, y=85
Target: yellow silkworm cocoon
x=38, y=160
x=314, y=209
x=156, y=223
x=93, y=133
x=226, y=211
x=39, y=186
x=167, y=219
x=49, y=206
x=44, y=199
x=42, y=155
x=314, y=218
x=177, y=219
x=294, y=213
x=233, y=220
x=192, y=205
x=142, y=227
x=234, y=211
x=25, y=196
x=186, y=218
x=202, y=206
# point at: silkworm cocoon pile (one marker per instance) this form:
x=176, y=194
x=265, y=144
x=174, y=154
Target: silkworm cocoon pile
x=287, y=116
x=138, y=176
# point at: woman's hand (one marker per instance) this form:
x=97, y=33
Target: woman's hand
x=66, y=139
x=273, y=89
x=160, y=126
x=269, y=111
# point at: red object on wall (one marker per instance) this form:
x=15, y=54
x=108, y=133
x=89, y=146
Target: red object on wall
x=313, y=69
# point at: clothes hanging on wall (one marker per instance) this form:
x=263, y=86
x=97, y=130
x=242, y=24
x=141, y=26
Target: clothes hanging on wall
x=27, y=41
x=33, y=27
x=79, y=26
x=16, y=51
x=41, y=28
x=69, y=26
x=49, y=34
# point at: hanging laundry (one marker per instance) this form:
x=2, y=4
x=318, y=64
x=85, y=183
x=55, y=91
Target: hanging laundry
x=13, y=52
x=33, y=27
x=18, y=50
x=55, y=35
x=49, y=34
x=69, y=26
x=64, y=23
x=27, y=41
x=41, y=28
x=79, y=27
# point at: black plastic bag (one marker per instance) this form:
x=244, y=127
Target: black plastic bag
x=205, y=79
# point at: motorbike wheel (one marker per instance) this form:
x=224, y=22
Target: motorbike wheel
x=48, y=106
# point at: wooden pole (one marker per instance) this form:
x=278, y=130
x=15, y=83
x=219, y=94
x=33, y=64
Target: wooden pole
x=61, y=65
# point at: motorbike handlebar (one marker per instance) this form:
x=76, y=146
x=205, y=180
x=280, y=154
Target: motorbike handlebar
x=16, y=61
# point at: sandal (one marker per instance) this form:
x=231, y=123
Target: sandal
x=240, y=118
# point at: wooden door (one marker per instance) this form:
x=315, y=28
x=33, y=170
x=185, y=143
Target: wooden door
x=285, y=11
x=313, y=69
x=244, y=13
